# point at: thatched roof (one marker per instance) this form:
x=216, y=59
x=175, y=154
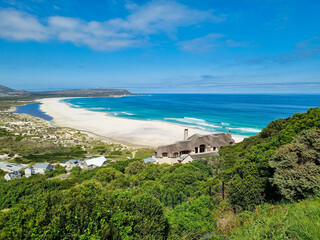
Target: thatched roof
x=212, y=140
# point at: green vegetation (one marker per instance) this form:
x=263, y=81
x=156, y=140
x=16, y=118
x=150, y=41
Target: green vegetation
x=271, y=191
x=27, y=140
x=286, y=221
x=7, y=103
x=246, y=167
x=296, y=165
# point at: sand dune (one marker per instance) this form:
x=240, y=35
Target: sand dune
x=134, y=132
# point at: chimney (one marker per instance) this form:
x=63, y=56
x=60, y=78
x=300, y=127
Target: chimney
x=229, y=133
x=185, y=134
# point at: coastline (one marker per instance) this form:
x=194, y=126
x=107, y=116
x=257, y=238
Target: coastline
x=128, y=131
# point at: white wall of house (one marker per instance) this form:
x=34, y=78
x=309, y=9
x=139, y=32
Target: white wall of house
x=12, y=175
x=7, y=177
x=39, y=171
x=28, y=172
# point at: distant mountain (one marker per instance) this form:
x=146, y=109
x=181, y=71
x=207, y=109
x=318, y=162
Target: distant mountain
x=84, y=93
x=4, y=89
x=7, y=92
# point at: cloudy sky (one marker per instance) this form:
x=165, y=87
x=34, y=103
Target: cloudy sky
x=208, y=46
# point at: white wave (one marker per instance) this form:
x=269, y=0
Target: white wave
x=255, y=130
x=126, y=113
x=97, y=108
x=121, y=113
x=195, y=121
x=72, y=105
x=226, y=124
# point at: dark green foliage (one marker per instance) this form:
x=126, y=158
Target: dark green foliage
x=184, y=178
x=297, y=166
x=108, y=174
x=192, y=219
x=18, y=190
x=121, y=165
x=246, y=168
x=135, y=167
x=105, y=203
x=85, y=212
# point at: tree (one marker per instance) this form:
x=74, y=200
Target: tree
x=297, y=166
x=135, y=167
x=108, y=174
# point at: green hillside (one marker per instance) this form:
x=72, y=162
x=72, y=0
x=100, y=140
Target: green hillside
x=249, y=166
x=271, y=192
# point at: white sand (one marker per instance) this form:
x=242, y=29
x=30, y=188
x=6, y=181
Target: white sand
x=134, y=132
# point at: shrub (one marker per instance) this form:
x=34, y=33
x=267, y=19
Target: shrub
x=297, y=166
x=135, y=167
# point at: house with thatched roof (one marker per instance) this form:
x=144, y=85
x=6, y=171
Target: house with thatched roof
x=194, y=147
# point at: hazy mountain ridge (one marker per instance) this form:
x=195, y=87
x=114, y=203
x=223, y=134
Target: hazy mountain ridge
x=7, y=92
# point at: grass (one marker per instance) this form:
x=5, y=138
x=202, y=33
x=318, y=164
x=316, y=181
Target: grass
x=300, y=220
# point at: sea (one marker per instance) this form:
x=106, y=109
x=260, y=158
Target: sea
x=240, y=114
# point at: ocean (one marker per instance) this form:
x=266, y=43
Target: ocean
x=241, y=114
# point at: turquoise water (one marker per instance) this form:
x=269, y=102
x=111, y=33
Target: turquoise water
x=239, y=113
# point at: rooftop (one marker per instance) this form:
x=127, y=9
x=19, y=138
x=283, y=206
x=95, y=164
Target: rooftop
x=99, y=161
x=41, y=165
x=10, y=166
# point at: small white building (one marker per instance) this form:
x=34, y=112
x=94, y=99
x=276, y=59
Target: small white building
x=95, y=162
x=39, y=168
x=11, y=175
x=28, y=171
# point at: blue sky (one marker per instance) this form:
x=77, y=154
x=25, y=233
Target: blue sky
x=214, y=46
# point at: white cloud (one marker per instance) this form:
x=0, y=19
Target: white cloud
x=155, y=17
x=16, y=25
x=209, y=42
x=202, y=44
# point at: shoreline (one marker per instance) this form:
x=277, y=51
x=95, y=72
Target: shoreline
x=140, y=133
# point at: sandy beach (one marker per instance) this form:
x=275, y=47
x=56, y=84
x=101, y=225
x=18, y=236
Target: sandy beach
x=128, y=131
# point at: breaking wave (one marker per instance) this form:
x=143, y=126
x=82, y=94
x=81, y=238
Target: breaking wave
x=252, y=130
x=194, y=121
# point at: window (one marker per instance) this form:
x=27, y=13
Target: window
x=184, y=152
x=165, y=154
x=175, y=155
x=202, y=148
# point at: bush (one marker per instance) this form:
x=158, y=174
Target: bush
x=297, y=166
x=135, y=167
x=108, y=174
